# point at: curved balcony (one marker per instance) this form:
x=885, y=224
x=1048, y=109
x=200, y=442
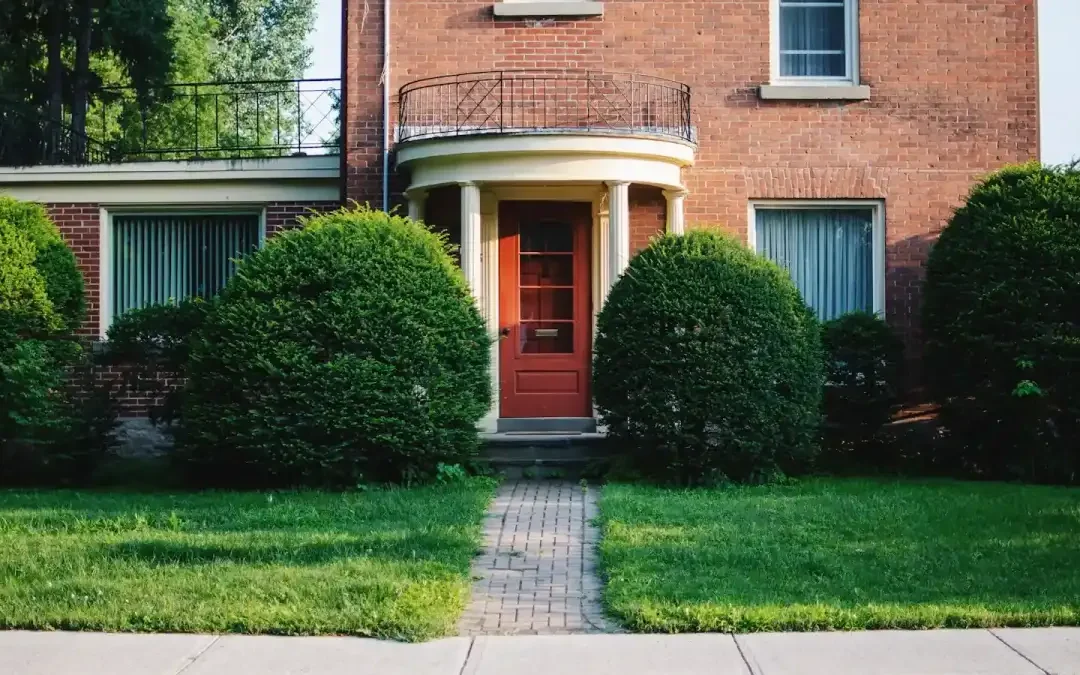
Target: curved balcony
x=545, y=102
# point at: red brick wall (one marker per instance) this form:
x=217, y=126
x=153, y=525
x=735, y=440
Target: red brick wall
x=648, y=215
x=283, y=215
x=954, y=95
x=134, y=394
x=80, y=225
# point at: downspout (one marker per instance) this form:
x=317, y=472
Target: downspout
x=386, y=107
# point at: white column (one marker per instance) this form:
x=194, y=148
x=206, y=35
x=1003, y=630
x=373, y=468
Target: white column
x=601, y=250
x=676, y=224
x=618, y=230
x=470, y=239
x=417, y=201
x=489, y=304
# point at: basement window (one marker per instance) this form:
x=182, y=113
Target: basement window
x=158, y=258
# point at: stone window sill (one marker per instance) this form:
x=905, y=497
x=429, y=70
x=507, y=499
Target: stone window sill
x=800, y=92
x=521, y=9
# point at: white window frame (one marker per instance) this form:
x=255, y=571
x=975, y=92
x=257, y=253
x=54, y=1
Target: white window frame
x=851, y=46
x=105, y=280
x=877, y=206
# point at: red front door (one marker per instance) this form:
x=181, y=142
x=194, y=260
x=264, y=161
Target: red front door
x=544, y=309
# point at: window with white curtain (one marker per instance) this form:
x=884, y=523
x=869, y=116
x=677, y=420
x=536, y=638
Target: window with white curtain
x=835, y=255
x=156, y=258
x=816, y=40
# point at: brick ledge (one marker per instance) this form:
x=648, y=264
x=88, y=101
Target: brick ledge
x=523, y=9
x=798, y=92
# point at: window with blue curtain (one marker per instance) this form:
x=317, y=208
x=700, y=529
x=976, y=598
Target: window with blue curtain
x=814, y=40
x=829, y=254
x=160, y=258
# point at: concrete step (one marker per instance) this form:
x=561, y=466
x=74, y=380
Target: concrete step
x=547, y=425
x=544, y=454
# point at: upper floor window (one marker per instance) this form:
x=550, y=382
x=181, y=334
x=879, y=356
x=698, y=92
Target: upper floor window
x=816, y=40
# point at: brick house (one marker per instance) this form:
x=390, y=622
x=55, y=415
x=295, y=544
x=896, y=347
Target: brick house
x=553, y=139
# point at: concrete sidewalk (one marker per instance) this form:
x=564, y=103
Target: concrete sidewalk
x=945, y=652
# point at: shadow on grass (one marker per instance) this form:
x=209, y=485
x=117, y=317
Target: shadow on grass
x=423, y=548
x=846, y=544
x=84, y=512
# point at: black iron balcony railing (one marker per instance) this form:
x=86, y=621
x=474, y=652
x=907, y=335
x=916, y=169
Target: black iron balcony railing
x=207, y=120
x=224, y=120
x=518, y=101
x=28, y=138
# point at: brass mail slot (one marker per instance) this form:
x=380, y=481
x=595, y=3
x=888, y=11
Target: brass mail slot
x=547, y=332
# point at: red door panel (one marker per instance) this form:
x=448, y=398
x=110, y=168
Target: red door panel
x=544, y=309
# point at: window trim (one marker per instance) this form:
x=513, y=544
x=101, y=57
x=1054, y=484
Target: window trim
x=105, y=280
x=851, y=25
x=877, y=206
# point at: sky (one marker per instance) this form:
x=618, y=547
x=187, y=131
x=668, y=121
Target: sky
x=1059, y=70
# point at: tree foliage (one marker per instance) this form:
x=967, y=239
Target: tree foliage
x=56, y=56
x=235, y=40
x=217, y=41
x=47, y=48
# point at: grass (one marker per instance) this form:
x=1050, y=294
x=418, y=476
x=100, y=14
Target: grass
x=835, y=554
x=386, y=563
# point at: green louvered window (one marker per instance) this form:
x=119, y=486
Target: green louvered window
x=158, y=258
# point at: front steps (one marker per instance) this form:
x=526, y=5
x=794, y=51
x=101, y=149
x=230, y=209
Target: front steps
x=545, y=448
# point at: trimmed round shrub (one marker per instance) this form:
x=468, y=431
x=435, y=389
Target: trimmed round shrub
x=35, y=407
x=708, y=364
x=1002, y=326
x=29, y=375
x=863, y=361
x=53, y=259
x=25, y=308
x=349, y=350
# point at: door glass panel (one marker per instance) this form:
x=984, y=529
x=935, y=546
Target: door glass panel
x=547, y=237
x=547, y=337
x=547, y=304
x=547, y=270
x=546, y=287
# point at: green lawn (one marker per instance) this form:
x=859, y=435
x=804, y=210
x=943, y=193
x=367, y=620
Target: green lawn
x=391, y=563
x=842, y=554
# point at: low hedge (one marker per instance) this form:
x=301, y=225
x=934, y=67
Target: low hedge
x=863, y=368
x=151, y=347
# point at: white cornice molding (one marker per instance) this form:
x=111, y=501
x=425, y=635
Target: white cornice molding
x=272, y=168
x=219, y=181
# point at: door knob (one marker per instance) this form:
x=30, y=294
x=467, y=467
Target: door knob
x=505, y=332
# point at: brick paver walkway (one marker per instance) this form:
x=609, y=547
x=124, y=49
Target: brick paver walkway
x=537, y=574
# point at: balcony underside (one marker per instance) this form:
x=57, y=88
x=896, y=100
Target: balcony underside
x=545, y=158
